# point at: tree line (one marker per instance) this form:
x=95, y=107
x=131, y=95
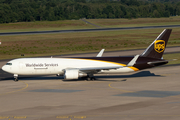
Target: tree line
x=51, y=10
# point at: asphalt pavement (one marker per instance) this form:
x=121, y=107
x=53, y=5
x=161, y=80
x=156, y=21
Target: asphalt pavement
x=85, y=30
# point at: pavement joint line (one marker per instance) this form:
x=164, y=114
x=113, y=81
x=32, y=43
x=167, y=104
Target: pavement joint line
x=16, y=90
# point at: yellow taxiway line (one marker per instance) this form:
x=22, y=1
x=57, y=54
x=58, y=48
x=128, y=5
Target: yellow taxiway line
x=16, y=90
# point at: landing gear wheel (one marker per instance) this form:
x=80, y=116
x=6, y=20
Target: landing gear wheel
x=16, y=79
x=88, y=78
x=93, y=78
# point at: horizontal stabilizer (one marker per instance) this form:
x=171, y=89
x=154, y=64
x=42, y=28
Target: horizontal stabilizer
x=156, y=63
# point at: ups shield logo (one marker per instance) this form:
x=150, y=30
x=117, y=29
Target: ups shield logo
x=159, y=46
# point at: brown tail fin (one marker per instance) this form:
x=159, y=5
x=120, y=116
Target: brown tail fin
x=157, y=47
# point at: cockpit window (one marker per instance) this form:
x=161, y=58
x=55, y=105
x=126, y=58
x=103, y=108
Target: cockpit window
x=8, y=63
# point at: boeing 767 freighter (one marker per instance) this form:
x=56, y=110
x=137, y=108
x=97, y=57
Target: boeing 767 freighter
x=86, y=67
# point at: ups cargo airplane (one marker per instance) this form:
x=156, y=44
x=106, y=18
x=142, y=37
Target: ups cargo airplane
x=86, y=67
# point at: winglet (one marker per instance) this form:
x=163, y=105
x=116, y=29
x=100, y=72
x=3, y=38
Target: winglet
x=133, y=61
x=100, y=53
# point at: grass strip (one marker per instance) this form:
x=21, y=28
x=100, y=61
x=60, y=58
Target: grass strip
x=69, y=43
x=173, y=58
x=79, y=24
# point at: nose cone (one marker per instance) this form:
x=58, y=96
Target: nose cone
x=4, y=68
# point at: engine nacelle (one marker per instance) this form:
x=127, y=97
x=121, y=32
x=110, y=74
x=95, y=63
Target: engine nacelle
x=73, y=74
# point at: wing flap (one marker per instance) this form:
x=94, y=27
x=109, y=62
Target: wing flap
x=99, y=68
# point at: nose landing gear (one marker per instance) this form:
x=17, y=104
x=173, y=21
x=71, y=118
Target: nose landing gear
x=15, y=77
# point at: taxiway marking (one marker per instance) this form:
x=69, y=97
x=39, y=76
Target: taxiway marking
x=119, y=89
x=16, y=90
x=70, y=117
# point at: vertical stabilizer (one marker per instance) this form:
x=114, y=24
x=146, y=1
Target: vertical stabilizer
x=157, y=47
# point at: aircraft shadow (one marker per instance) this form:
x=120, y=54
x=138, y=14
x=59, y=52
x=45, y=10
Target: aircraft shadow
x=139, y=74
x=105, y=77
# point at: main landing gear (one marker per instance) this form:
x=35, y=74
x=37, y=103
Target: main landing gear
x=15, y=77
x=90, y=77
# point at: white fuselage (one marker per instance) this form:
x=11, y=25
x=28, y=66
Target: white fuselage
x=52, y=66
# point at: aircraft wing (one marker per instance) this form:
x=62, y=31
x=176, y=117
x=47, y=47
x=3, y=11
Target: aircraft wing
x=91, y=70
x=99, y=68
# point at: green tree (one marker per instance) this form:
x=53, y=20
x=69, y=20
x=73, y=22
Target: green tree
x=156, y=14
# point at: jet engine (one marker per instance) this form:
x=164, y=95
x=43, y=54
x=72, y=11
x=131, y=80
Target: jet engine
x=73, y=74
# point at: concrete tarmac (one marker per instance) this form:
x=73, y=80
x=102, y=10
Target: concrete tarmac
x=148, y=94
